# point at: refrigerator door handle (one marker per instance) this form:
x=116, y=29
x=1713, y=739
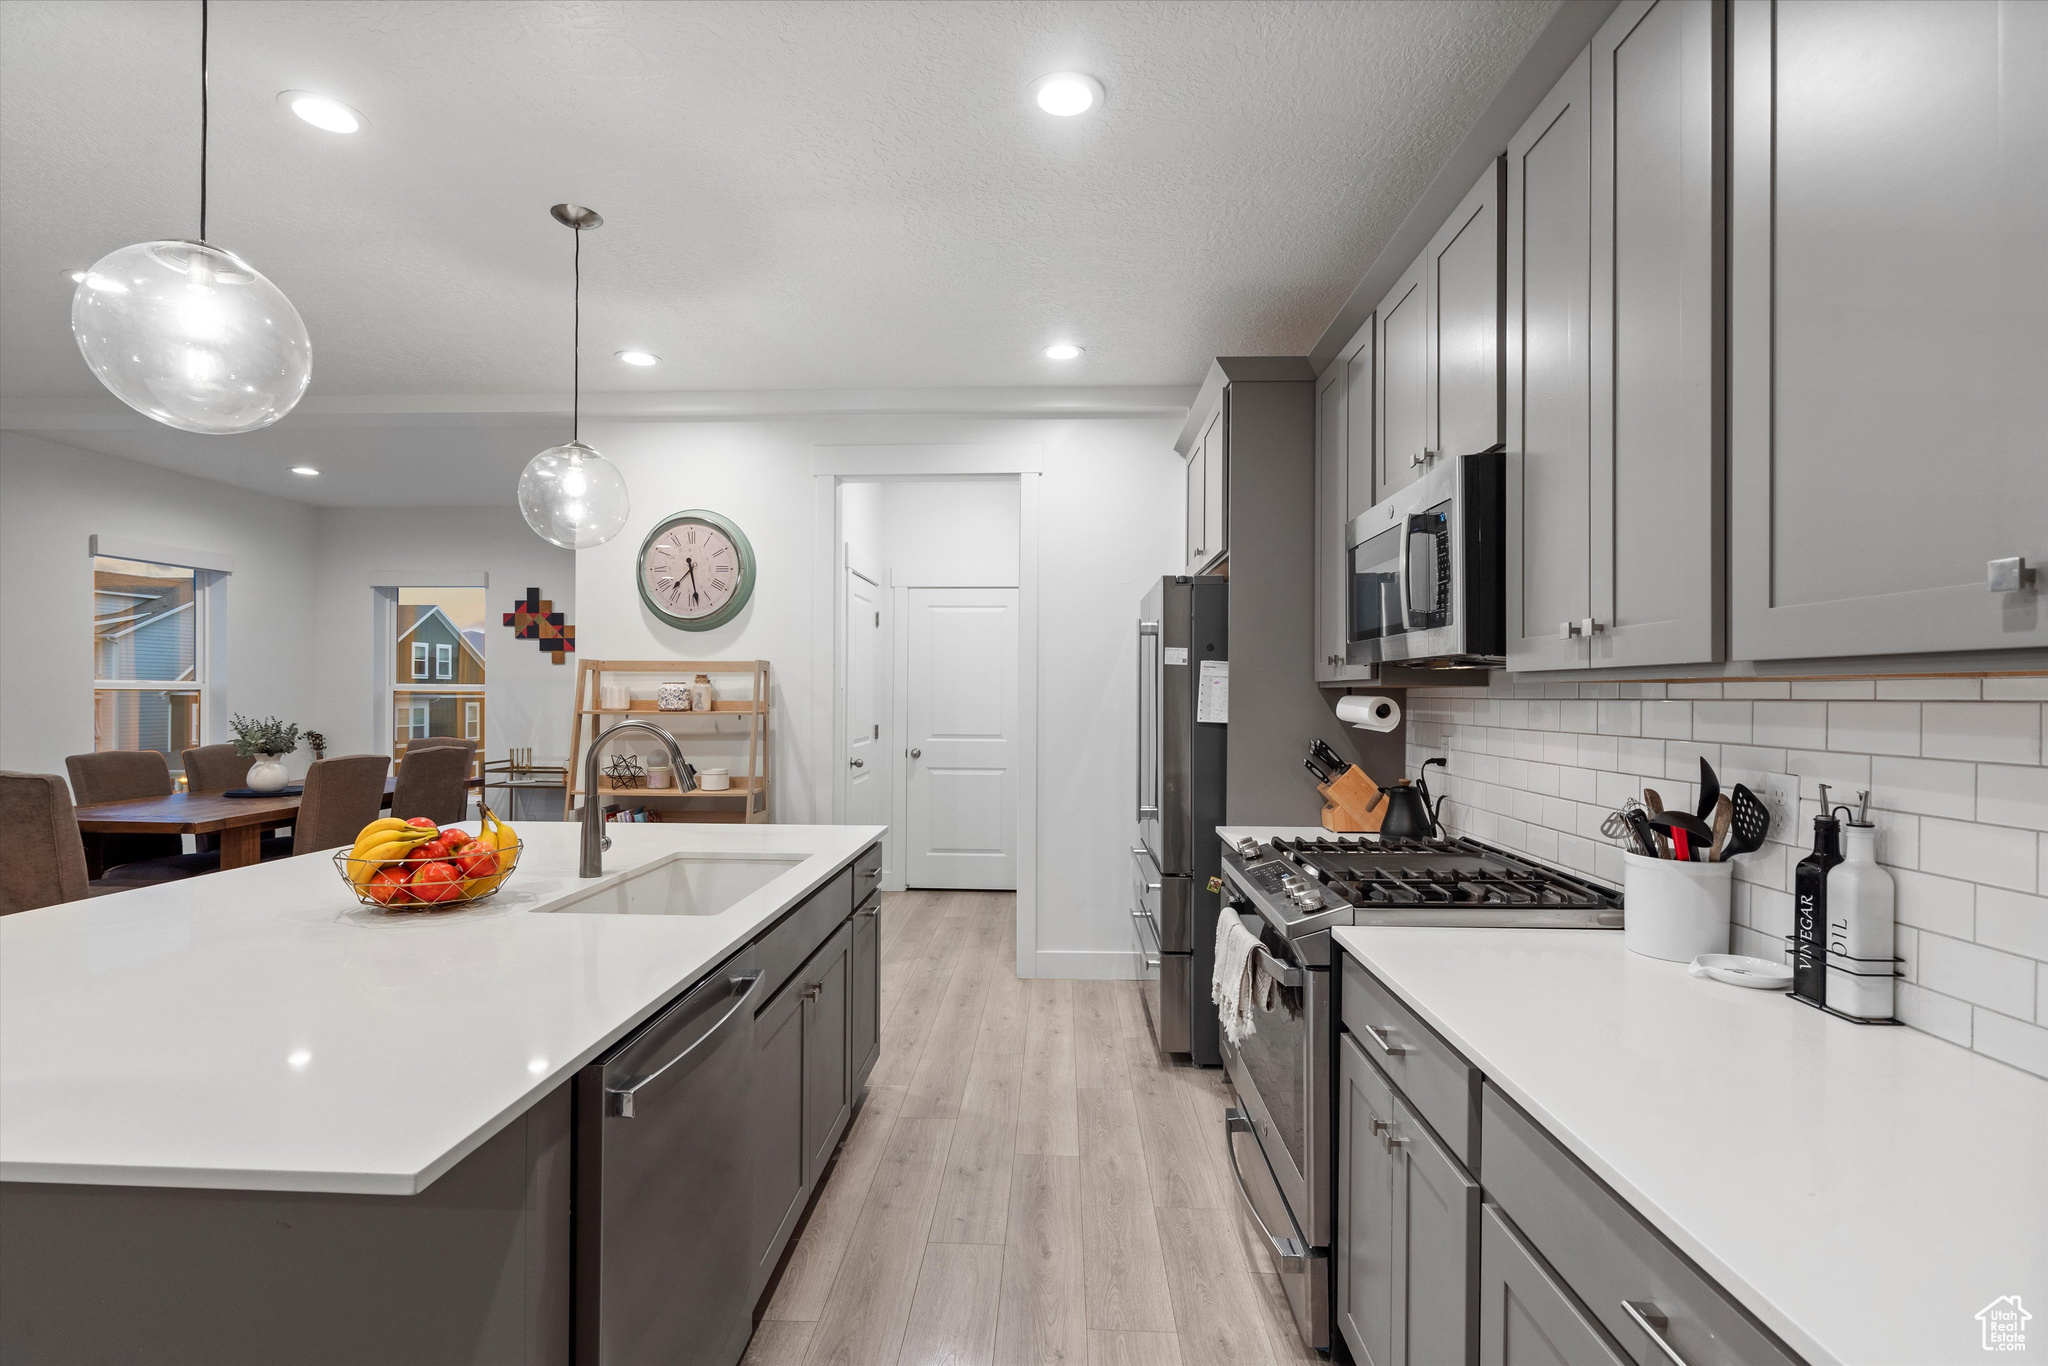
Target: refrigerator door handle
x=1145, y=628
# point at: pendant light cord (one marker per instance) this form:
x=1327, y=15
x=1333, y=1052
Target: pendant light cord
x=204, y=16
x=576, y=366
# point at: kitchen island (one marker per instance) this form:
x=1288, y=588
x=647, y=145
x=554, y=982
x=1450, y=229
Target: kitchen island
x=251, y=1075
x=1861, y=1192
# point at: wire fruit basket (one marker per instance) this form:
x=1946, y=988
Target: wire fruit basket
x=473, y=873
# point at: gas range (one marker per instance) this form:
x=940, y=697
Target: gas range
x=1304, y=883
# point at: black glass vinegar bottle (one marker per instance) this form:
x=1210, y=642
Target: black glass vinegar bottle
x=1810, y=907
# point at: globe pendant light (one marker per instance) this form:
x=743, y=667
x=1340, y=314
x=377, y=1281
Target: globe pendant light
x=189, y=334
x=571, y=495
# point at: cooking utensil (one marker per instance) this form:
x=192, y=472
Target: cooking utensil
x=1313, y=767
x=1710, y=790
x=1329, y=758
x=1645, y=837
x=1689, y=834
x=1408, y=811
x=1656, y=805
x=1724, y=811
x=1750, y=821
x=1615, y=827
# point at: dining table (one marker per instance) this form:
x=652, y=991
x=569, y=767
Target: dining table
x=239, y=822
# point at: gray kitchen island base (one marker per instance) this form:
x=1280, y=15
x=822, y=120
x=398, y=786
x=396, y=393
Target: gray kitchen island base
x=475, y=1268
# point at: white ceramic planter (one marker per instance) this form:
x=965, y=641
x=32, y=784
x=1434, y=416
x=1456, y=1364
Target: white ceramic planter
x=267, y=773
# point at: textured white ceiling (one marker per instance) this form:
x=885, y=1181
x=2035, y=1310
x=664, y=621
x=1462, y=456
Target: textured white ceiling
x=797, y=195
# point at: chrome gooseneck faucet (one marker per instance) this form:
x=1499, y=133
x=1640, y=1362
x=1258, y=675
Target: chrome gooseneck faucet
x=595, y=840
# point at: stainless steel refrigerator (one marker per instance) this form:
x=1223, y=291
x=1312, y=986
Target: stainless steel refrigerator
x=1183, y=621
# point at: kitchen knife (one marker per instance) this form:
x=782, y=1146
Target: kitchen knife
x=1313, y=767
x=1329, y=758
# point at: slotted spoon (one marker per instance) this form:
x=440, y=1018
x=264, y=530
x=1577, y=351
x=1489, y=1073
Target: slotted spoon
x=1749, y=821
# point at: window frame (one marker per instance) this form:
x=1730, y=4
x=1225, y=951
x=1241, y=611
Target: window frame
x=444, y=663
x=209, y=645
x=472, y=718
x=420, y=663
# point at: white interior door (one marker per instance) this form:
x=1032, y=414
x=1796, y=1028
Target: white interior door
x=960, y=705
x=867, y=772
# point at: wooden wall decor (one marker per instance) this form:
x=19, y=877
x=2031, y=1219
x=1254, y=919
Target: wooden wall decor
x=534, y=618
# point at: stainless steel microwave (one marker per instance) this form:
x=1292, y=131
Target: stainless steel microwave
x=1429, y=569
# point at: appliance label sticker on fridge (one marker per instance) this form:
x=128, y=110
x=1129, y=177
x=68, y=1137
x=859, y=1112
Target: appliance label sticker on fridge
x=1212, y=692
x=1177, y=654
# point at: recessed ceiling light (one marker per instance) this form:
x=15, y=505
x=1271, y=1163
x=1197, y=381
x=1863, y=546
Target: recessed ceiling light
x=1062, y=351
x=639, y=358
x=307, y=470
x=322, y=112
x=1067, y=93
x=299, y=1057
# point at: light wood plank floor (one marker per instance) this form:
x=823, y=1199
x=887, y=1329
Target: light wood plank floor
x=1029, y=1183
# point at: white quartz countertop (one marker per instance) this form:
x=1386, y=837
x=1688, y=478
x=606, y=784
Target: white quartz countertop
x=259, y=1030
x=1864, y=1191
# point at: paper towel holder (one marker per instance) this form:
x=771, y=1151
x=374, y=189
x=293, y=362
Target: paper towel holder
x=1372, y=712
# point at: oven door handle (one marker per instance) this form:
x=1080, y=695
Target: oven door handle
x=1291, y=1254
x=1283, y=972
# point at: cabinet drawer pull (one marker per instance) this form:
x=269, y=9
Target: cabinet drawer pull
x=1288, y=1252
x=1382, y=1035
x=1567, y=630
x=1652, y=1321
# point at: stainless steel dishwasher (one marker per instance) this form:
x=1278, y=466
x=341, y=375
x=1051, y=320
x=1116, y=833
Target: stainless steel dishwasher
x=664, y=1184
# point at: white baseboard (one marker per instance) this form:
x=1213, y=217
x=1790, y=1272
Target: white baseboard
x=1118, y=965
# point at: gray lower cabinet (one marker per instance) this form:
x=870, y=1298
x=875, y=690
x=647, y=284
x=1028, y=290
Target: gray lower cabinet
x=780, y=1184
x=1526, y=1315
x=864, y=1025
x=828, y=1072
x=1614, y=375
x=1888, y=266
x=1408, y=1230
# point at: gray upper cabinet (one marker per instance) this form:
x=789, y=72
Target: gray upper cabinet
x=1344, y=472
x=1401, y=414
x=1208, y=492
x=1549, y=380
x=1888, y=315
x=1614, y=381
x=1195, y=492
x=1439, y=345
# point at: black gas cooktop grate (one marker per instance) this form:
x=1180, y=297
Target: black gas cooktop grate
x=1436, y=872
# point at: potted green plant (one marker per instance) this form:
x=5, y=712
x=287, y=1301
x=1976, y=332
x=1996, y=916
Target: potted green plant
x=269, y=740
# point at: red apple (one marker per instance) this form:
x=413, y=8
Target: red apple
x=431, y=849
x=456, y=837
x=422, y=822
x=477, y=862
x=387, y=885
x=436, y=882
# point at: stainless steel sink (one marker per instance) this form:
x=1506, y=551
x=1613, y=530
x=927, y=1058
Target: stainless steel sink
x=685, y=884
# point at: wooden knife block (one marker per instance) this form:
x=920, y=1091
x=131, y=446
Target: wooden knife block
x=1351, y=803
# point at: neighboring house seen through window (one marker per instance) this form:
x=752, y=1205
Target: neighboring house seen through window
x=147, y=660
x=439, y=643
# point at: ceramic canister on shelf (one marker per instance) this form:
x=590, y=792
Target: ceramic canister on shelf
x=673, y=696
x=714, y=779
x=659, y=774
x=701, y=695
x=614, y=696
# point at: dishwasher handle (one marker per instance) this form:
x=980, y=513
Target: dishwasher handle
x=618, y=1100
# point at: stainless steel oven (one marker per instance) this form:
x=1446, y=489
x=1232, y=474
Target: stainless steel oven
x=1429, y=569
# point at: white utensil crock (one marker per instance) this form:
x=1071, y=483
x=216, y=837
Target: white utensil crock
x=1675, y=910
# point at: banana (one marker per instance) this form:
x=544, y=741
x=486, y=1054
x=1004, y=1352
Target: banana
x=364, y=863
x=409, y=835
x=498, y=837
x=382, y=823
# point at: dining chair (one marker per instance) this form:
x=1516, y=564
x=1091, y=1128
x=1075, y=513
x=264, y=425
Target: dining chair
x=433, y=780
x=217, y=768
x=119, y=775
x=45, y=863
x=342, y=796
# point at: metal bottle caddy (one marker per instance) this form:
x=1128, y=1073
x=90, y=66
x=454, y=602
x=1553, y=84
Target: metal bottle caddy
x=1855, y=967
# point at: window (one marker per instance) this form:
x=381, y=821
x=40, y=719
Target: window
x=146, y=657
x=438, y=687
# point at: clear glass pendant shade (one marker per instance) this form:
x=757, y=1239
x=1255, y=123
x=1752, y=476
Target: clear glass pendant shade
x=192, y=336
x=573, y=496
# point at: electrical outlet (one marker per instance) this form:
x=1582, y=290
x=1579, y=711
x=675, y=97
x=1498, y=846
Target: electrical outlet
x=1779, y=792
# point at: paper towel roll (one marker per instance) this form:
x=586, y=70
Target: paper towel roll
x=1369, y=713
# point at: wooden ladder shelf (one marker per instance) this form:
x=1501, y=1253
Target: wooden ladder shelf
x=746, y=802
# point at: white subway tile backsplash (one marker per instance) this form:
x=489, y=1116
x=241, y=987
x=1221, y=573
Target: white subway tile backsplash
x=1991, y=732
x=2012, y=795
x=1793, y=725
x=2023, y=1045
x=1874, y=727
x=1980, y=853
x=1538, y=767
x=1927, y=787
x=1971, y=972
x=2013, y=921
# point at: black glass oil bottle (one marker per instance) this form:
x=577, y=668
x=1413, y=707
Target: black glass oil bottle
x=1810, y=907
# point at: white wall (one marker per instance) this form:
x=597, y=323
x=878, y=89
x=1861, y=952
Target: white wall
x=1953, y=766
x=528, y=696
x=959, y=531
x=53, y=498
x=1110, y=522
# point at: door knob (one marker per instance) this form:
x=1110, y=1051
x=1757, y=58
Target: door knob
x=917, y=754
x=857, y=763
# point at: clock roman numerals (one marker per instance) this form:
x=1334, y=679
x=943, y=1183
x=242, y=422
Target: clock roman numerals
x=695, y=572
x=718, y=585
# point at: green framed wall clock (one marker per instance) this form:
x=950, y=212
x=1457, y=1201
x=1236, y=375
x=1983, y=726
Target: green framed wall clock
x=696, y=570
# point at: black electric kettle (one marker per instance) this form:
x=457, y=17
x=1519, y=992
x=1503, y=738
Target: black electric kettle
x=1411, y=813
